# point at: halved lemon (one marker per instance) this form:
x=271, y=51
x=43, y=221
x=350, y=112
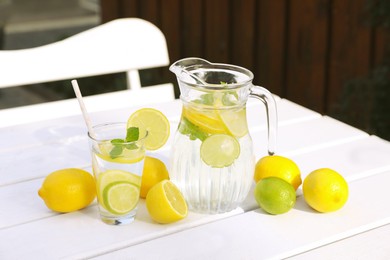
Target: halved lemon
x=153, y=121
x=219, y=150
x=165, y=203
x=121, y=197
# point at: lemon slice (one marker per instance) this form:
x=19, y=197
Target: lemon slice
x=207, y=121
x=127, y=155
x=120, y=197
x=219, y=150
x=235, y=122
x=165, y=203
x=153, y=121
x=111, y=176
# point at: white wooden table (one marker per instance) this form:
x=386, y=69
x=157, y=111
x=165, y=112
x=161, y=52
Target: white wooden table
x=360, y=230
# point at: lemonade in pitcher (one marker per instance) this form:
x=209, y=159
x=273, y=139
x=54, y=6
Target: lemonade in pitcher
x=212, y=158
x=216, y=146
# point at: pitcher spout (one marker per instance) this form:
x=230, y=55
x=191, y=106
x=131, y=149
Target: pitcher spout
x=179, y=68
x=182, y=64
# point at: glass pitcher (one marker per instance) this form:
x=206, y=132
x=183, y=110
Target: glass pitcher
x=212, y=159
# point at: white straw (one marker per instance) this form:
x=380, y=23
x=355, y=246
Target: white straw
x=87, y=120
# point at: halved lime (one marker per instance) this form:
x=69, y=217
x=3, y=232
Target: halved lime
x=121, y=197
x=235, y=121
x=112, y=176
x=153, y=121
x=219, y=150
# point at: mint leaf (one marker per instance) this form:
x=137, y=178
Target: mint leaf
x=118, y=148
x=191, y=130
x=117, y=141
x=132, y=134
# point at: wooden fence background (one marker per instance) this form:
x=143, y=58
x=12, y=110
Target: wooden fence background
x=308, y=51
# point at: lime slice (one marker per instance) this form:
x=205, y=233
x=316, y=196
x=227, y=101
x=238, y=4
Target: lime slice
x=219, y=150
x=120, y=197
x=235, y=122
x=153, y=121
x=111, y=176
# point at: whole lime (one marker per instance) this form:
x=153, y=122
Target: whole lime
x=275, y=195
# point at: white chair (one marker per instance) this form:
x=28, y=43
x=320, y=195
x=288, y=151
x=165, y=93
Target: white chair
x=123, y=45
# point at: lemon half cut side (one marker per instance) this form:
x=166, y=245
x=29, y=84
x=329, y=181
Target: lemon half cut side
x=165, y=203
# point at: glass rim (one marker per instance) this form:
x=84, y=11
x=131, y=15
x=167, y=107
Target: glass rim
x=113, y=124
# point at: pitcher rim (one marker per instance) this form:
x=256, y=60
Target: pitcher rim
x=229, y=86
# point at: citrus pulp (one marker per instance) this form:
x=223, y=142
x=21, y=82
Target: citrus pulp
x=165, y=203
x=155, y=123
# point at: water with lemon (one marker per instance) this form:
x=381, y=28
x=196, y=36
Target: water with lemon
x=213, y=161
x=117, y=166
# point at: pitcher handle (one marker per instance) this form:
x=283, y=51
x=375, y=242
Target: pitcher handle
x=272, y=117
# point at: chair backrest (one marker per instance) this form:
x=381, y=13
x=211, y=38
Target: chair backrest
x=123, y=45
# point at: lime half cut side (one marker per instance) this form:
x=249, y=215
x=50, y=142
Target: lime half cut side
x=121, y=197
x=219, y=150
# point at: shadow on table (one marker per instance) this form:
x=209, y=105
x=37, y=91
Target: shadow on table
x=302, y=205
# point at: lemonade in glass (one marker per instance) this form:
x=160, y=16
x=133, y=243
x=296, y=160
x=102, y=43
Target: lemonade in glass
x=118, y=156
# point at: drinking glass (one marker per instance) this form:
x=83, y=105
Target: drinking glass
x=117, y=166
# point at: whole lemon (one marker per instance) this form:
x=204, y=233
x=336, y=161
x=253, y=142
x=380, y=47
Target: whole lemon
x=278, y=166
x=325, y=190
x=68, y=190
x=154, y=171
